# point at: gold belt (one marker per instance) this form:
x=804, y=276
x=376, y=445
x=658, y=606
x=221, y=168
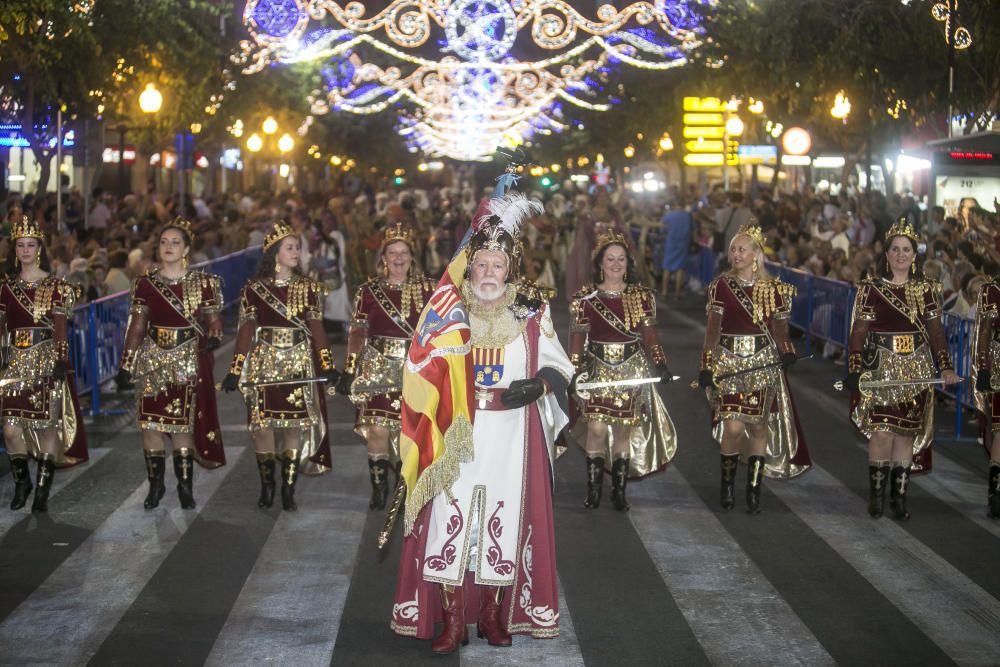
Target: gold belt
x=168, y=337
x=390, y=347
x=613, y=353
x=905, y=343
x=282, y=336
x=744, y=346
x=24, y=338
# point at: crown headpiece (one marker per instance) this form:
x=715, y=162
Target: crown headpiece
x=753, y=230
x=903, y=228
x=609, y=237
x=280, y=231
x=182, y=224
x=26, y=228
x=397, y=232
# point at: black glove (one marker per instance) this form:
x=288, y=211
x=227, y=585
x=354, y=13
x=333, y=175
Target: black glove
x=344, y=384
x=123, y=379
x=788, y=358
x=853, y=381
x=522, y=392
x=983, y=380
x=706, y=379
x=665, y=375
x=332, y=377
x=231, y=383
x=212, y=344
x=59, y=370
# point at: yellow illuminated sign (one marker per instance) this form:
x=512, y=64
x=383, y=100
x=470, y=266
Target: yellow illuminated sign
x=716, y=146
x=704, y=119
x=704, y=132
x=704, y=104
x=703, y=159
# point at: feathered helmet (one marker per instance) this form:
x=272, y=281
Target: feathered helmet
x=498, y=228
x=280, y=231
x=26, y=228
x=396, y=233
x=902, y=228
x=609, y=237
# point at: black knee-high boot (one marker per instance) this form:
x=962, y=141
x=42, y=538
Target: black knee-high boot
x=900, y=480
x=22, y=480
x=266, y=467
x=595, y=482
x=46, y=472
x=184, y=471
x=378, y=473
x=727, y=493
x=755, y=480
x=156, y=468
x=878, y=479
x=289, y=476
x=619, y=479
x=994, y=491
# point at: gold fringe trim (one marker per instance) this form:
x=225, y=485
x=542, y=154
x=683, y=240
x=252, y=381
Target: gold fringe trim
x=441, y=474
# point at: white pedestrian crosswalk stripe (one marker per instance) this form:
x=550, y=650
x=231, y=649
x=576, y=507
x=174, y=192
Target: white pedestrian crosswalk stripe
x=734, y=612
x=68, y=617
x=959, y=616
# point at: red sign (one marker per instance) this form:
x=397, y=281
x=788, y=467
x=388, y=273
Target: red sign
x=969, y=155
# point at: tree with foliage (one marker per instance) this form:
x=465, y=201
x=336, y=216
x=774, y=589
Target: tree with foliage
x=90, y=58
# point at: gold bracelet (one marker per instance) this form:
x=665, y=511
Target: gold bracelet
x=236, y=368
x=854, y=362
x=128, y=360
x=707, y=357
x=352, y=363
x=325, y=360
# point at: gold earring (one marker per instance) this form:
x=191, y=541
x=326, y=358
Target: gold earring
x=184, y=262
x=385, y=269
x=754, y=265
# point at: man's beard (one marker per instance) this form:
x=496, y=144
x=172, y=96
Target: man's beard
x=487, y=295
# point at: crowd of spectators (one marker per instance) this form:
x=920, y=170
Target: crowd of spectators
x=680, y=237
x=840, y=237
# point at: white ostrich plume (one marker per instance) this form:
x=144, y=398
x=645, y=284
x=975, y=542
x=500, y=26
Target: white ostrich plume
x=513, y=209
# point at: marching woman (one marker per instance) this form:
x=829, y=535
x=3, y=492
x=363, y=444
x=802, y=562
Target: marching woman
x=986, y=339
x=743, y=364
x=386, y=310
x=896, y=337
x=40, y=410
x=174, y=325
x=613, y=339
x=280, y=348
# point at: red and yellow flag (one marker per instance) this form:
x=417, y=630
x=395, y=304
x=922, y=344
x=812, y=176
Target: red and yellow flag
x=437, y=406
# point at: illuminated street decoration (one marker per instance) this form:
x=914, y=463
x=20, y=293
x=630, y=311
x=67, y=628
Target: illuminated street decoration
x=472, y=80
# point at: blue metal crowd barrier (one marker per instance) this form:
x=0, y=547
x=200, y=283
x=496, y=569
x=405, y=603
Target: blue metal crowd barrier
x=823, y=310
x=97, y=329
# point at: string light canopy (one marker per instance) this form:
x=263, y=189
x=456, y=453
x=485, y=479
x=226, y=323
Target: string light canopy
x=449, y=67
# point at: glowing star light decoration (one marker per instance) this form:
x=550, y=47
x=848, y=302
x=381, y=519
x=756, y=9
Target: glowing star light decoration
x=466, y=75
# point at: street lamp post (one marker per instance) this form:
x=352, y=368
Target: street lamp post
x=150, y=102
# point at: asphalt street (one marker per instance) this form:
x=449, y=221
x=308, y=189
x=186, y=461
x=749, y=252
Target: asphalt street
x=675, y=581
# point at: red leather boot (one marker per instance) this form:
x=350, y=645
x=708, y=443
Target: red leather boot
x=489, y=625
x=455, y=632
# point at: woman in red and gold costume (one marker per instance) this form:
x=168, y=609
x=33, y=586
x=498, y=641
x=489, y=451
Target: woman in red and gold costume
x=174, y=325
x=743, y=362
x=280, y=348
x=986, y=339
x=40, y=410
x=386, y=310
x=613, y=338
x=896, y=336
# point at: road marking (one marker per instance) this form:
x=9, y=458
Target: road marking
x=947, y=606
x=735, y=613
x=68, y=617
